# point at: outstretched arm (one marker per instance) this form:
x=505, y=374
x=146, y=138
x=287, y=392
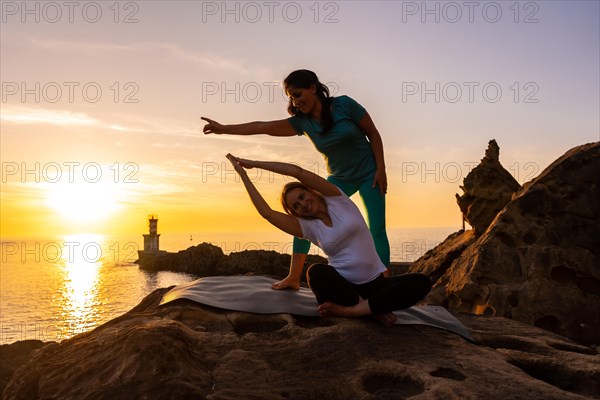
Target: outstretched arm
x=280, y=127
x=285, y=222
x=309, y=179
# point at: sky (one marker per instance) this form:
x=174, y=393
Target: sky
x=101, y=102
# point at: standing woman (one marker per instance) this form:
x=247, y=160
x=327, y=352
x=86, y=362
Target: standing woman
x=342, y=130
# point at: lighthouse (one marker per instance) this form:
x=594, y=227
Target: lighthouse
x=151, y=239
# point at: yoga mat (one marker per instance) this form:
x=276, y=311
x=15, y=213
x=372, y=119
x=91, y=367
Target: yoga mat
x=253, y=293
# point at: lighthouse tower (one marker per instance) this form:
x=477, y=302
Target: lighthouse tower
x=151, y=239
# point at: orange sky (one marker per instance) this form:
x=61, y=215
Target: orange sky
x=100, y=120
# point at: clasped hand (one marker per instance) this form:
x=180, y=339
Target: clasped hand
x=240, y=163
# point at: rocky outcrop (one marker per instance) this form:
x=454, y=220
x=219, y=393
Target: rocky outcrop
x=183, y=350
x=539, y=260
x=13, y=356
x=487, y=189
x=438, y=260
x=207, y=259
x=536, y=261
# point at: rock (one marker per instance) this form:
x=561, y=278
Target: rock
x=184, y=350
x=207, y=259
x=13, y=356
x=204, y=259
x=263, y=262
x=487, y=189
x=539, y=260
x=438, y=260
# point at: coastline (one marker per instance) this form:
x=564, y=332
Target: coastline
x=206, y=259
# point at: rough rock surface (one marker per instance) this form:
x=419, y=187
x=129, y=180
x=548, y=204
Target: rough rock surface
x=539, y=260
x=438, y=260
x=207, y=259
x=13, y=356
x=487, y=189
x=184, y=350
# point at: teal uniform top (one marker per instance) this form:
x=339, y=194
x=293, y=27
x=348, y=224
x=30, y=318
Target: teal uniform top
x=346, y=149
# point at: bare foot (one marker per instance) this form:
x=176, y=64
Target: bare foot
x=287, y=283
x=358, y=310
x=387, y=319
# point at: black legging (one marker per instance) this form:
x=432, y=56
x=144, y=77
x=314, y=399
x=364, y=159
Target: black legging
x=384, y=294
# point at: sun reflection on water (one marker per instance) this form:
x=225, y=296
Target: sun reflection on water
x=82, y=281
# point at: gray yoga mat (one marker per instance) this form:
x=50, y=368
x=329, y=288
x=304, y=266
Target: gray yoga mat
x=253, y=293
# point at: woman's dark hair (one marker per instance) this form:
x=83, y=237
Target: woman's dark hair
x=303, y=79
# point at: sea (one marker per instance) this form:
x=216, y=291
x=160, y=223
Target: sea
x=54, y=288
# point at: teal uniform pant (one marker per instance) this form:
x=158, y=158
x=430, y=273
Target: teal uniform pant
x=374, y=203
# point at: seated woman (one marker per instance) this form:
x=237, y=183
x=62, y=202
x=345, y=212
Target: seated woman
x=352, y=284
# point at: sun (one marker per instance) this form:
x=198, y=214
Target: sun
x=83, y=202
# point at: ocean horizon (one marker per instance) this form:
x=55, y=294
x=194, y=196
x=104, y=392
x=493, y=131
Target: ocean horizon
x=56, y=287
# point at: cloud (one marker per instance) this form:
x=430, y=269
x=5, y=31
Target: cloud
x=24, y=115
x=161, y=50
x=27, y=115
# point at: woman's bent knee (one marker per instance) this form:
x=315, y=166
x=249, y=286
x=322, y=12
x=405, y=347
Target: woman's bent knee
x=318, y=272
x=424, y=283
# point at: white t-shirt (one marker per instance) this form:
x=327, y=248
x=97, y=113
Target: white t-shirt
x=348, y=243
